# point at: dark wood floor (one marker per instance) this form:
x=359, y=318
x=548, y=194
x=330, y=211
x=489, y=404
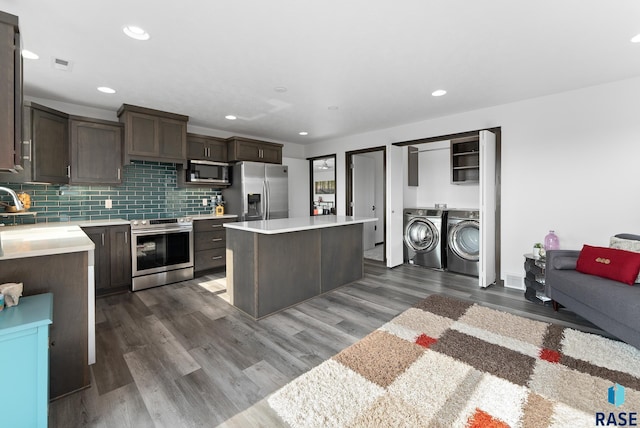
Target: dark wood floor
x=181, y=356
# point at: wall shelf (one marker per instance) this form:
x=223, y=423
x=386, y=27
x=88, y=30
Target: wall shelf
x=465, y=160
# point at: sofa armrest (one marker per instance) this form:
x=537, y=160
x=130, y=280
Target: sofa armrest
x=558, y=260
x=562, y=259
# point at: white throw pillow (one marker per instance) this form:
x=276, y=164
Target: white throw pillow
x=625, y=244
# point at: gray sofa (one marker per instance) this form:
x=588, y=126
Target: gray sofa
x=611, y=305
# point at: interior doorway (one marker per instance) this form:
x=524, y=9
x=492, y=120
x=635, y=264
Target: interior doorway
x=366, y=197
x=322, y=185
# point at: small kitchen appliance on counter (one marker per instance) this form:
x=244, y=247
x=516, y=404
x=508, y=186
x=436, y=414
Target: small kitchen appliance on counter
x=161, y=251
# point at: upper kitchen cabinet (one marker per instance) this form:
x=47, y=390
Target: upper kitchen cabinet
x=10, y=93
x=245, y=149
x=154, y=135
x=202, y=147
x=49, y=145
x=96, y=151
x=45, y=148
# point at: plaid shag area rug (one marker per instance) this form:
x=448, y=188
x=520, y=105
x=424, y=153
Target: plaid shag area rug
x=448, y=363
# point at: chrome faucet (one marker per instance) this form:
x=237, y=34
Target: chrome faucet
x=16, y=201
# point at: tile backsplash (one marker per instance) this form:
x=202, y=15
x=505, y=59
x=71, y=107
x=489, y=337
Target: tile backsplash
x=148, y=190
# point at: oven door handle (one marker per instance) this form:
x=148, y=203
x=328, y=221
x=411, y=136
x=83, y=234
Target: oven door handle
x=143, y=232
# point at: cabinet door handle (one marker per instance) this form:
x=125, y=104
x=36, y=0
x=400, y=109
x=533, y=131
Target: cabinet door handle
x=102, y=236
x=216, y=258
x=118, y=169
x=126, y=237
x=69, y=171
x=216, y=239
x=216, y=225
x=205, y=152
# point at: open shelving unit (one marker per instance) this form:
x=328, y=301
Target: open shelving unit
x=465, y=160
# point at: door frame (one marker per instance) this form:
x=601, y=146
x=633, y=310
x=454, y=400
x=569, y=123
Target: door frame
x=498, y=133
x=348, y=156
x=311, y=183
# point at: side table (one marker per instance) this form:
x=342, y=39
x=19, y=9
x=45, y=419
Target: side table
x=534, y=280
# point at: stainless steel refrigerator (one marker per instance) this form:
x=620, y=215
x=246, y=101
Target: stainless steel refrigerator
x=258, y=191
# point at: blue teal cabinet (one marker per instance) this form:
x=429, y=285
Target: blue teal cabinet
x=24, y=360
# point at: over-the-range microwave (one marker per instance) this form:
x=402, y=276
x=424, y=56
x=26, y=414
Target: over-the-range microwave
x=202, y=171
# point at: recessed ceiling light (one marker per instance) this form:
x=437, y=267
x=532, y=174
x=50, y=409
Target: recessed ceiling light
x=438, y=93
x=106, y=90
x=280, y=89
x=136, y=32
x=29, y=55
x=636, y=39
x=230, y=117
x=303, y=133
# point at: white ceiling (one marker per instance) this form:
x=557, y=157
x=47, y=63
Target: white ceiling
x=377, y=61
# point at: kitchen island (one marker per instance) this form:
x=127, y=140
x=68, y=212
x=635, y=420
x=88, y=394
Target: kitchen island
x=275, y=264
x=57, y=259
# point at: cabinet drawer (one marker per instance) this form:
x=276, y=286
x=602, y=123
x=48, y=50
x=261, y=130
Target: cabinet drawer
x=209, y=239
x=208, y=225
x=209, y=259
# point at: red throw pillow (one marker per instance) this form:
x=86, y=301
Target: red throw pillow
x=619, y=265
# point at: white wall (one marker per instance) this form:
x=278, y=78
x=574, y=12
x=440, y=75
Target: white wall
x=298, y=186
x=434, y=181
x=569, y=163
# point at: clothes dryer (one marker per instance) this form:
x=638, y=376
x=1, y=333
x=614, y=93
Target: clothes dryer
x=424, y=237
x=463, y=241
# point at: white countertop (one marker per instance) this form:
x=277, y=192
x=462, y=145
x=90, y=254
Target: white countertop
x=284, y=225
x=32, y=241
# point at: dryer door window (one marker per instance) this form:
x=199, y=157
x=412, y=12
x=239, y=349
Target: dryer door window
x=464, y=240
x=421, y=235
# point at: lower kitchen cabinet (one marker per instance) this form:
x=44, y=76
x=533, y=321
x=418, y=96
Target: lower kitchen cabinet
x=210, y=244
x=24, y=356
x=112, y=258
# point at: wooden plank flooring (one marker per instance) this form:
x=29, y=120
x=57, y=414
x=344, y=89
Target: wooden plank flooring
x=181, y=356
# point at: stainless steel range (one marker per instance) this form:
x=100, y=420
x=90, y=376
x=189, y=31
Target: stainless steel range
x=162, y=251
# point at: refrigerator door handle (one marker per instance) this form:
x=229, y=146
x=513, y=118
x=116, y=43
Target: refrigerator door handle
x=268, y=200
x=264, y=201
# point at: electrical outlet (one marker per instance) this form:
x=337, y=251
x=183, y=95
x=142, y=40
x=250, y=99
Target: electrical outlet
x=204, y=202
x=108, y=203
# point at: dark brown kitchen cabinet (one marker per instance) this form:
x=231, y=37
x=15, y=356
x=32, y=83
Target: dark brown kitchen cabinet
x=96, y=151
x=210, y=243
x=245, y=149
x=202, y=147
x=112, y=256
x=154, y=135
x=49, y=145
x=10, y=94
x=65, y=275
x=45, y=147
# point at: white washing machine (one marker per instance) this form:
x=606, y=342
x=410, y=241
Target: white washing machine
x=463, y=241
x=424, y=237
